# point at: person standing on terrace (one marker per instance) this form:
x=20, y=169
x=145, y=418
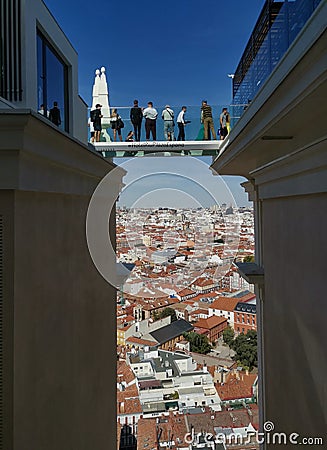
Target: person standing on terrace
x=116, y=125
x=207, y=120
x=181, y=122
x=168, y=118
x=224, y=120
x=150, y=114
x=96, y=117
x=136, y=117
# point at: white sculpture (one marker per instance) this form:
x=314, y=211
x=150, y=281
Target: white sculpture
x=100, y=94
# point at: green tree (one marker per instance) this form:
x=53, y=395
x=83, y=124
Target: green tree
x=248, y=258
x=228, y=335
x=246, y=349
x=165, y=313
x=199, y=342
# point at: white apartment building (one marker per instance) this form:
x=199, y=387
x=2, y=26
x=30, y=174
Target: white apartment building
x=170, y=380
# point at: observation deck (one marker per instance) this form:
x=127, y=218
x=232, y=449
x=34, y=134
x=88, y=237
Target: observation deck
x=157, y=148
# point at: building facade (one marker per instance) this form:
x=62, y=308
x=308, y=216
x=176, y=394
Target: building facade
x=245, y=317
x=57, y=313
x=284, y=161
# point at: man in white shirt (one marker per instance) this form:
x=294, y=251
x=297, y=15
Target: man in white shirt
x=150, y=114
x=168, y=118
x=181, y=124
x=42, y=111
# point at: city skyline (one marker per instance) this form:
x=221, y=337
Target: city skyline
x=191, y=178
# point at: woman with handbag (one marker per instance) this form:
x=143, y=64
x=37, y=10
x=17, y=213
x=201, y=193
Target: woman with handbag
x=116, y=124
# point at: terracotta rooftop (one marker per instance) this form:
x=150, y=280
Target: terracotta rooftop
x=173, y=428
x=210, y=322
x=185, y=292
x=122, y=326
x=147, y=434
x=225, y=303
x=235, y=388
x=239, y=418
x=203, y=282
x=136, y=340
x=128, y=402
x=246, y=297
x=124, y=372
x=199, y=311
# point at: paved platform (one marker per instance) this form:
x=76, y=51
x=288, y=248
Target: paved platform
x=162, y=148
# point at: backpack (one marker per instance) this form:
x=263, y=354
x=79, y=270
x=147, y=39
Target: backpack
x=93, y=115
x=120, y=123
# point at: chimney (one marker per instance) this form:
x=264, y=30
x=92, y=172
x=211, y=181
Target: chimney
x=246, y=372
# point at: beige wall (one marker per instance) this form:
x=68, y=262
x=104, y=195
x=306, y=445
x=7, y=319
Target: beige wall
x=294, y=235
x=283, y=154
x=58, y=312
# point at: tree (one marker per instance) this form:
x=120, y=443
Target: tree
x=245, y=347
x=165, y=313
x=248, y=258
x=228, y=335
x=199, y=342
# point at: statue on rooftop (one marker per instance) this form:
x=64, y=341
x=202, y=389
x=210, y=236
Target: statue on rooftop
x=100, y=95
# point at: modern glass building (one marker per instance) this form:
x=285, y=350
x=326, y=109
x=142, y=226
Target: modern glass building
x=277, y=26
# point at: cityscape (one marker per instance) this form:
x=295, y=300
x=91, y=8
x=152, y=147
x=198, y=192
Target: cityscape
x=182, y=317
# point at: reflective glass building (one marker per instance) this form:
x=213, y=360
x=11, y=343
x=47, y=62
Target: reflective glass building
x=277, y=26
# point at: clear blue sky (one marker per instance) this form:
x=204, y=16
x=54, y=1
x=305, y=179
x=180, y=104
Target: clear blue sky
x=176, y=52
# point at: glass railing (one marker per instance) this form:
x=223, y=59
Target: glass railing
x=192, y=130
x=290, y=20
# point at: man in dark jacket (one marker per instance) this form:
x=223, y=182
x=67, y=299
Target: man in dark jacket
x=136, y=117
x=54, y=114
x=96, y=117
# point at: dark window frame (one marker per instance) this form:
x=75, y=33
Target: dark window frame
x=46, y=44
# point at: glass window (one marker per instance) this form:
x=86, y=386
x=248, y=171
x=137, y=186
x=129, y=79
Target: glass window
x=52, y=81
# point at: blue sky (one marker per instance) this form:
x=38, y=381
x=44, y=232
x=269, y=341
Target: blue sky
x=169, y=52
x=175, y=52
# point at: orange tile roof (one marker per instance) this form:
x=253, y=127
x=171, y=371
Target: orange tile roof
x=199, y=311
x=210, y=322
x=246, y=297
x=121, y=326
x=124, y=372
x=135, y=340
x=235, y=388
x=185, y=292
x=203, y=282
x=128, y=402
x=225, y=303
x=173, y=427
x=226, y=419
x=147, y=434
